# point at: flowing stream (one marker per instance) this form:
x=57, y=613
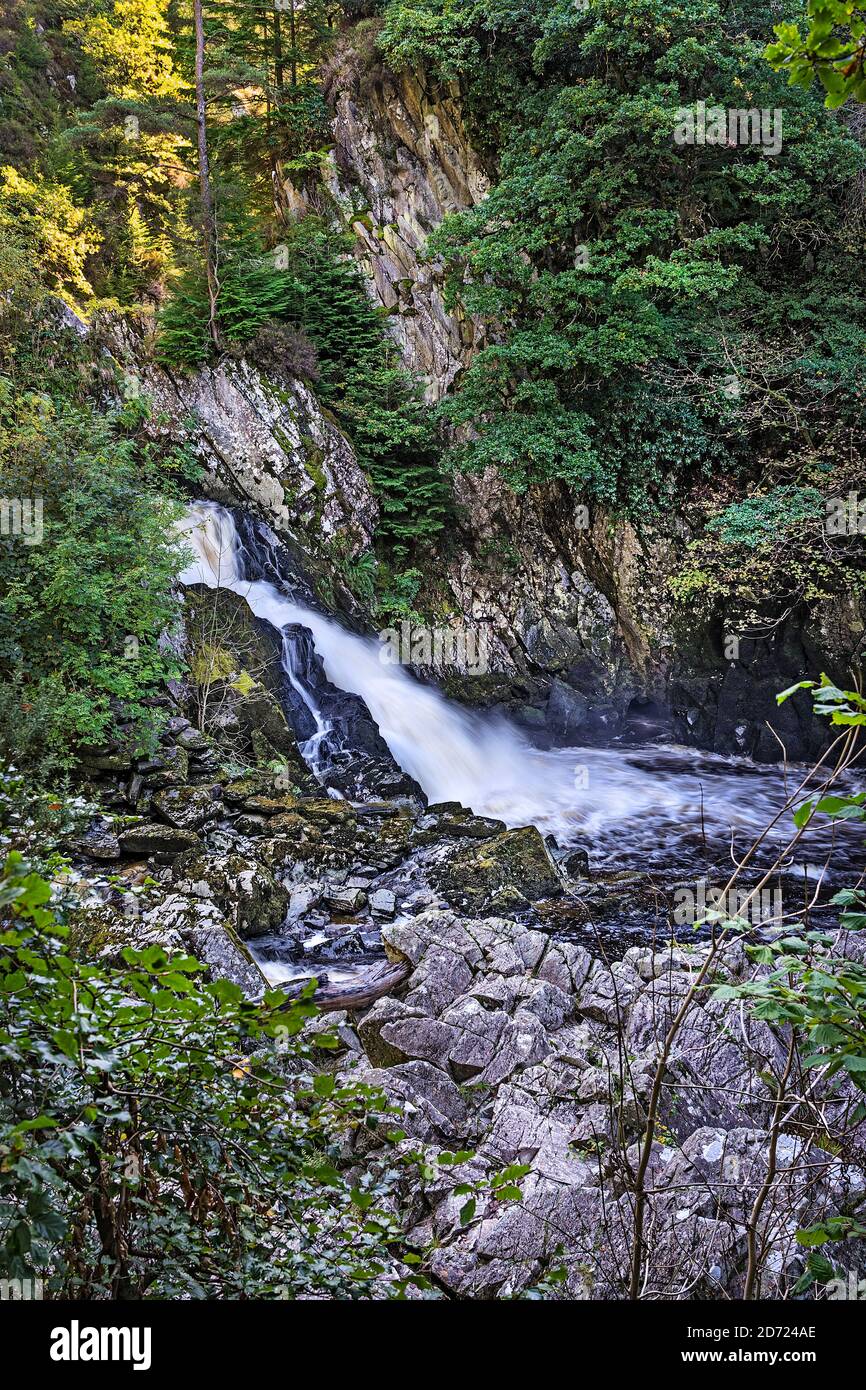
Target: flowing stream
x=654, y=807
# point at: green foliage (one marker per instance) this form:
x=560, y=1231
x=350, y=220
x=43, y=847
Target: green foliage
x=85, y=579
x=648, y=313
x=253, y=293
x=841, y=707
x=57, y=234
x=374, y=398
x=802, y=985
x=760, y=557
x=161, y=1137
x=833, y=50
x=82, y=610
x=758, y=520
x=312, y=284
x=130, y=41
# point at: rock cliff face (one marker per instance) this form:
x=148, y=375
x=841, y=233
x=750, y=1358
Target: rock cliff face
x=264, y=445
x=582, y=635
x=401, y=161
x=582, y=605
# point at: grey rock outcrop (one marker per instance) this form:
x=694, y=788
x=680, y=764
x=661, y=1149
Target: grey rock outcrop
x=513, y=1048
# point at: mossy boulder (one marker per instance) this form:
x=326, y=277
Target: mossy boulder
x=157, y=839
x=180, y=926
x=515, y=864
x=169, y=769
x=245, y=891
x=187, y=808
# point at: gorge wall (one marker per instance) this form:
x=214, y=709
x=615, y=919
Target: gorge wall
x=584, y=607
x=581, y=628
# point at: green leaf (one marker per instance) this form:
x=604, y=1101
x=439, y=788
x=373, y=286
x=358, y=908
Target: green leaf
x=467, y=1211
x=813, y=1235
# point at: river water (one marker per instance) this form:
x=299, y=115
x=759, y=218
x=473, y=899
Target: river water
x=656, y=808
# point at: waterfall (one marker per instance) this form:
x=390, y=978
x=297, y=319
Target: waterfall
x=453, y=755
x=642, y=806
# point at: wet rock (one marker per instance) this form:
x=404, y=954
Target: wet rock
x=383, y=903
x=255, y=784
x=99, y=841
x=576, y=864
x=270, y=804
x=303, y=899
x=246, y=892
x=516, y=859
x=566, y=713
x=376, y=808
x=348, y=900
x=474, y=827
x=134, y=788
x=157, y=839
x=252, y=825
x=187, y=808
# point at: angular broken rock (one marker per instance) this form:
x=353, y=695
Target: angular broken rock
x=383, y=903
x=392, y=1033
x=191, y=740
x=477, y=1036
x=157, y=839
x=187, y=808
x=99, y=842
x=609, y=992
x=345, y=899
x=203, y=932
x=246, y=892
x=431, y=1106
x=523, y=1041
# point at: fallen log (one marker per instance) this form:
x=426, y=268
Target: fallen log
x=351, y=995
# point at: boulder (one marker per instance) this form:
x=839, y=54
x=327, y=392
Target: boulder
x=204, y=933
x=170, y=769
x=245, y=891
x=566, y=714
x=383, y=903
x=157, y=839
x=99, y=841
x=344, y=900
x=187, y=808
x=392, y=1033
x=517, y=860
x=609, y=992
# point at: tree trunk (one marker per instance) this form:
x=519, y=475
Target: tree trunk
x=279, y=69
x=207, y=207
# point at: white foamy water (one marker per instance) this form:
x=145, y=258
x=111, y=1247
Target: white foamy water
x=633, y=806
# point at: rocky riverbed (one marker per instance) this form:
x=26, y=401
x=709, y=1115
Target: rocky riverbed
x=524, y=1027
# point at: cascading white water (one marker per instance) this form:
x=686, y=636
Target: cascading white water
x=633, y=806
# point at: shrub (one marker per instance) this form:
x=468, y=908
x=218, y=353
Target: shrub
x=164, y=1138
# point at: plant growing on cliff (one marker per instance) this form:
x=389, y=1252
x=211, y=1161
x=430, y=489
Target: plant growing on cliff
x=85, y=597
x=647, y=309
x=162, y=1137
